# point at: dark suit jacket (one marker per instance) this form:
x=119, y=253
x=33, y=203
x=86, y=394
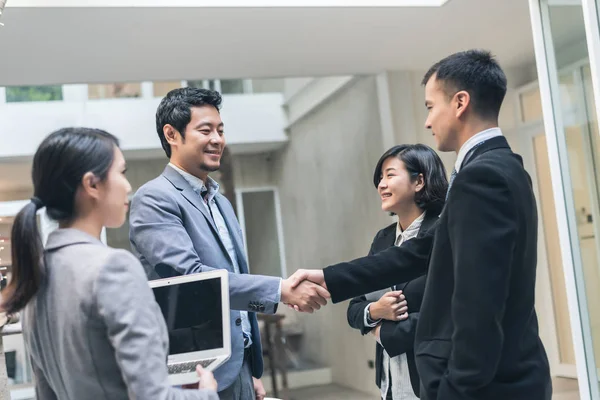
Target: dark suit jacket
x=397, y=337
x=477, y=335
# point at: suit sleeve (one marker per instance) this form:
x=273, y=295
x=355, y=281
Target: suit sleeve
x=158, y=235
x=127, y=307
x=356, y=309
x=399, y=337
x=378, y=271
x=356, y=314
x=482, y=226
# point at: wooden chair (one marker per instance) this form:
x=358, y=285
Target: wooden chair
x=274, y=350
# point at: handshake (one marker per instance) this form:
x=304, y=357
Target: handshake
x=305, y=290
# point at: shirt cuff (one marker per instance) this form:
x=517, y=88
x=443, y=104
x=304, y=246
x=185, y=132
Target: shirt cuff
x=278, y=298
x=369, y=323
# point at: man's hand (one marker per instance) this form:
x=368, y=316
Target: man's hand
x=259, y=389
x=305, y=296
x=391, y=306
x=313, y=275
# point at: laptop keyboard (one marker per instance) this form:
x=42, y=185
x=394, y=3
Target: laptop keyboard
x=184, y=368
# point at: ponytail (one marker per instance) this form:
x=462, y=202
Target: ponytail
x=27, y=266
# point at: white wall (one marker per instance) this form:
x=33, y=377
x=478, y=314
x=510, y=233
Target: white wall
x=309, y=95
x=291, y=86
x=249, y=119
x=253, y=170
x=330, y=211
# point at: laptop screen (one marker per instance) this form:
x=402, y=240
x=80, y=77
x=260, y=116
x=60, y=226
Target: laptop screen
x=193, y=314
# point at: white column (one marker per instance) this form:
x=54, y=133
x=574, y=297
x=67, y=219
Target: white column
x=75, y=93
x=388, y=135
x=147, y=90
x=2, y=95
x=248, y=86
x=403, y=107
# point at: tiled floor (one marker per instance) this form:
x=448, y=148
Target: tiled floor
x=329, y=392
x=564, y=389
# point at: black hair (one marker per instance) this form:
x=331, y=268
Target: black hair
x=420, y=159
x=175, y=109
x=59, y=164
x=478, y=73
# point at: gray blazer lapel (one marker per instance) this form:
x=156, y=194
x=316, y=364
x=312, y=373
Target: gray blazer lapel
x=186, y=190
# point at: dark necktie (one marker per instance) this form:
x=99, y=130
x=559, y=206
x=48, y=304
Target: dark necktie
x=452, y=177
x=467, y=158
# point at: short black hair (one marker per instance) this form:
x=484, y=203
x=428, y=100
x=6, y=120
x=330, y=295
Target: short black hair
x=420, y=159
x=175, y=109
x=478, y=73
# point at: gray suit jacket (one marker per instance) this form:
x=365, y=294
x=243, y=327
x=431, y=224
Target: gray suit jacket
x=94, y=330
x=172, y=233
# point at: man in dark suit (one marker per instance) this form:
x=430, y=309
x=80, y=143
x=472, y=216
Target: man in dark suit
x=477, y=335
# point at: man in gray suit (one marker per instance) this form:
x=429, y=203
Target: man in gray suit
x=181, y=224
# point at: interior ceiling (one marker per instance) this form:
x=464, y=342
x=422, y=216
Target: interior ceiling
x=71, y=45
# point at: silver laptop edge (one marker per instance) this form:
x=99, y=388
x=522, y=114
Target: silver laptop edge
x=220, y=354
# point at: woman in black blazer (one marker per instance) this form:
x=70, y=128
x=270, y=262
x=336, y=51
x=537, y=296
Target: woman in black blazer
x=412, y=183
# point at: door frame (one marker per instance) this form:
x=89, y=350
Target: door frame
x=278, y=221
x=527, y=134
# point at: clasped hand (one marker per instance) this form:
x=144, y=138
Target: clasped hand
x=392, y=306
x=305, y=291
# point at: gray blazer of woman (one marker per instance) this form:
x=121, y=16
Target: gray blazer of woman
x=94, y=330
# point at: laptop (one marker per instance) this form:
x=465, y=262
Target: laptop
x=196, y=311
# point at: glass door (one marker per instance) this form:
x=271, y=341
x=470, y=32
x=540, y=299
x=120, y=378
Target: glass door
x=562, y=42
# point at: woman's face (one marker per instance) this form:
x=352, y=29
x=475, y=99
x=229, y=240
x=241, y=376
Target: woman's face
x=114, y=191
x=397, y=188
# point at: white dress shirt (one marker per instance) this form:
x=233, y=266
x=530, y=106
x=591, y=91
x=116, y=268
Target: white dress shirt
x=474, y=141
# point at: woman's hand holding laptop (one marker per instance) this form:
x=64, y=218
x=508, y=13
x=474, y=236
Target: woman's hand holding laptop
x=207, y=380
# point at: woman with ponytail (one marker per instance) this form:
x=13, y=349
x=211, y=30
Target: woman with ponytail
x=90, y=321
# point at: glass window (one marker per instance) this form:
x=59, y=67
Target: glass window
x=211, y=84
x=162, y=88
x=232, y=86
x=196, y=84
x=33, y=93
x=273, y=85
x=114, y=90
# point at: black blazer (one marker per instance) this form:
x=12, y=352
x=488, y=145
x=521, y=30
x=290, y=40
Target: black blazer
x=477, y=335
x=397, y=337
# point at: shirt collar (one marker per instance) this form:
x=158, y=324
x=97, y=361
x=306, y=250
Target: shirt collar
x=414, y=226
x=196, y=183
x=474, y=141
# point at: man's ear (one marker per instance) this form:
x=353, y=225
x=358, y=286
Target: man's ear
x=462, y=100
x=170, y=134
